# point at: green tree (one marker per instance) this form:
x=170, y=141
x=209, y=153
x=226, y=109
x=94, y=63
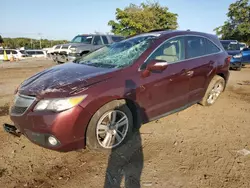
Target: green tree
x=136, y=19
x=237, y=26
x=30, y=43
x=1, y=40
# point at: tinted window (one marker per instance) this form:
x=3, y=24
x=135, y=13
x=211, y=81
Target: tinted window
x=97, y=40
x=105, y=40
x=14, y=52
x=211, y=47
x=117, y=39
x=1, y=52
x=195, y=47
x=171, y=51
x=31, y=52
x=7, y=51
x=39, y=53
x=246, y=49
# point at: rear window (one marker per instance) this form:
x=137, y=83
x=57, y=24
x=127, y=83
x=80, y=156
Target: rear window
x=117, y=38
x=230, y=45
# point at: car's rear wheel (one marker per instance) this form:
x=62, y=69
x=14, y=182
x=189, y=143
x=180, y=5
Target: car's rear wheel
x=239, y=68
x=110, y=126
x=214, y=90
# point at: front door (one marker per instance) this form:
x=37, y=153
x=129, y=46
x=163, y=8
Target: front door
x=163, y=92
x=97, y=42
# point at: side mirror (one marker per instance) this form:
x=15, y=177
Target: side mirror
x=154, y=65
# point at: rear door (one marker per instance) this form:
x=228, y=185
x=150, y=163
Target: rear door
x=201, y=57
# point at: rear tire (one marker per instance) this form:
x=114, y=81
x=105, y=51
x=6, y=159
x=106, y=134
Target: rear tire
x=214, y=89
x=95, y=136
x=239, y=68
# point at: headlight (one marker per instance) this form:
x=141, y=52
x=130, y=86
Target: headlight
x=58, y=105
x=237, y=56
x=73, y=50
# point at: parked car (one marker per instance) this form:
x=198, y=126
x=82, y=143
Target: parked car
x=36, y=53
x=242, y=45
x=18, y=54
x=100, y=99
x=245, y=56
x=233, y=48
x=80, y=45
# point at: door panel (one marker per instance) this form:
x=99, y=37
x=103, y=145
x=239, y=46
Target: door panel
x=165, y=91
x=200, y=63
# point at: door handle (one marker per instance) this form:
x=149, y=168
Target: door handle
x=190, y=73
x=187, y=72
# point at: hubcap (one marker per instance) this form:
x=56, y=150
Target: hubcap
x=112, y=128
x=214, y=93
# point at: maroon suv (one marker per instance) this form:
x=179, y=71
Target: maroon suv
x=99, y=99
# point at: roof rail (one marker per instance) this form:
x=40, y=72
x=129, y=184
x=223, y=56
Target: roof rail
x=155, y=30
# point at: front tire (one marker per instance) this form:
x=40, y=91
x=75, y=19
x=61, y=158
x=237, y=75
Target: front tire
x=110, y=127
x=214, y=89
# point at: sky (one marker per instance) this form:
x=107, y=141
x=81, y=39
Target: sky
x=63, y=19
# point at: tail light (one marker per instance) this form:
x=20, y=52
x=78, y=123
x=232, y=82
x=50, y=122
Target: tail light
x=228, y=59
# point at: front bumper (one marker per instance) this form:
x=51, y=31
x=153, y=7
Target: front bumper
x=73, y=56
x=235, y=63
x=68, y=127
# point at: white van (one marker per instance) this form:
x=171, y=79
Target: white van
x=19, y=54
x=36, y=53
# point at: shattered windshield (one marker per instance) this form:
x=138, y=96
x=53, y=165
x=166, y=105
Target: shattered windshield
x=118, y=55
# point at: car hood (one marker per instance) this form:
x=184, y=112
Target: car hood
x=64, y=80
x=233, y=52
x=74, y=44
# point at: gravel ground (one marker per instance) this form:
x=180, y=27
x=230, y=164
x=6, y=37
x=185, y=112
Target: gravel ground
x=198, y=147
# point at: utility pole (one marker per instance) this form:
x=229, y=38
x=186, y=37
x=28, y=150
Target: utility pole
x=40, y=36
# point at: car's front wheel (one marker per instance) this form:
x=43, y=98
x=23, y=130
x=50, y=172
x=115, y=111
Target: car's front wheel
x=110, y=126
x=215, y=88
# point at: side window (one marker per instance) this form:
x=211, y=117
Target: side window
x=7, y=52
x=117, y=39
x=195, y=46
x=14, y=51
x=171, y=51
x=97, y=40
x=1, y=52
x=211, y=47
x=246, y=49
x=105, y=40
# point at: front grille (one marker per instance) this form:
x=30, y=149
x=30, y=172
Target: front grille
x=21, y=104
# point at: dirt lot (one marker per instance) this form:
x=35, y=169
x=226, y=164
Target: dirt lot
x=198, y=147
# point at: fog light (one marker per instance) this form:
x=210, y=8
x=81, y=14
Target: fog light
x=52, y=140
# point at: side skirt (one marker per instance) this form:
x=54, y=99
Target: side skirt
x=173, y=111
